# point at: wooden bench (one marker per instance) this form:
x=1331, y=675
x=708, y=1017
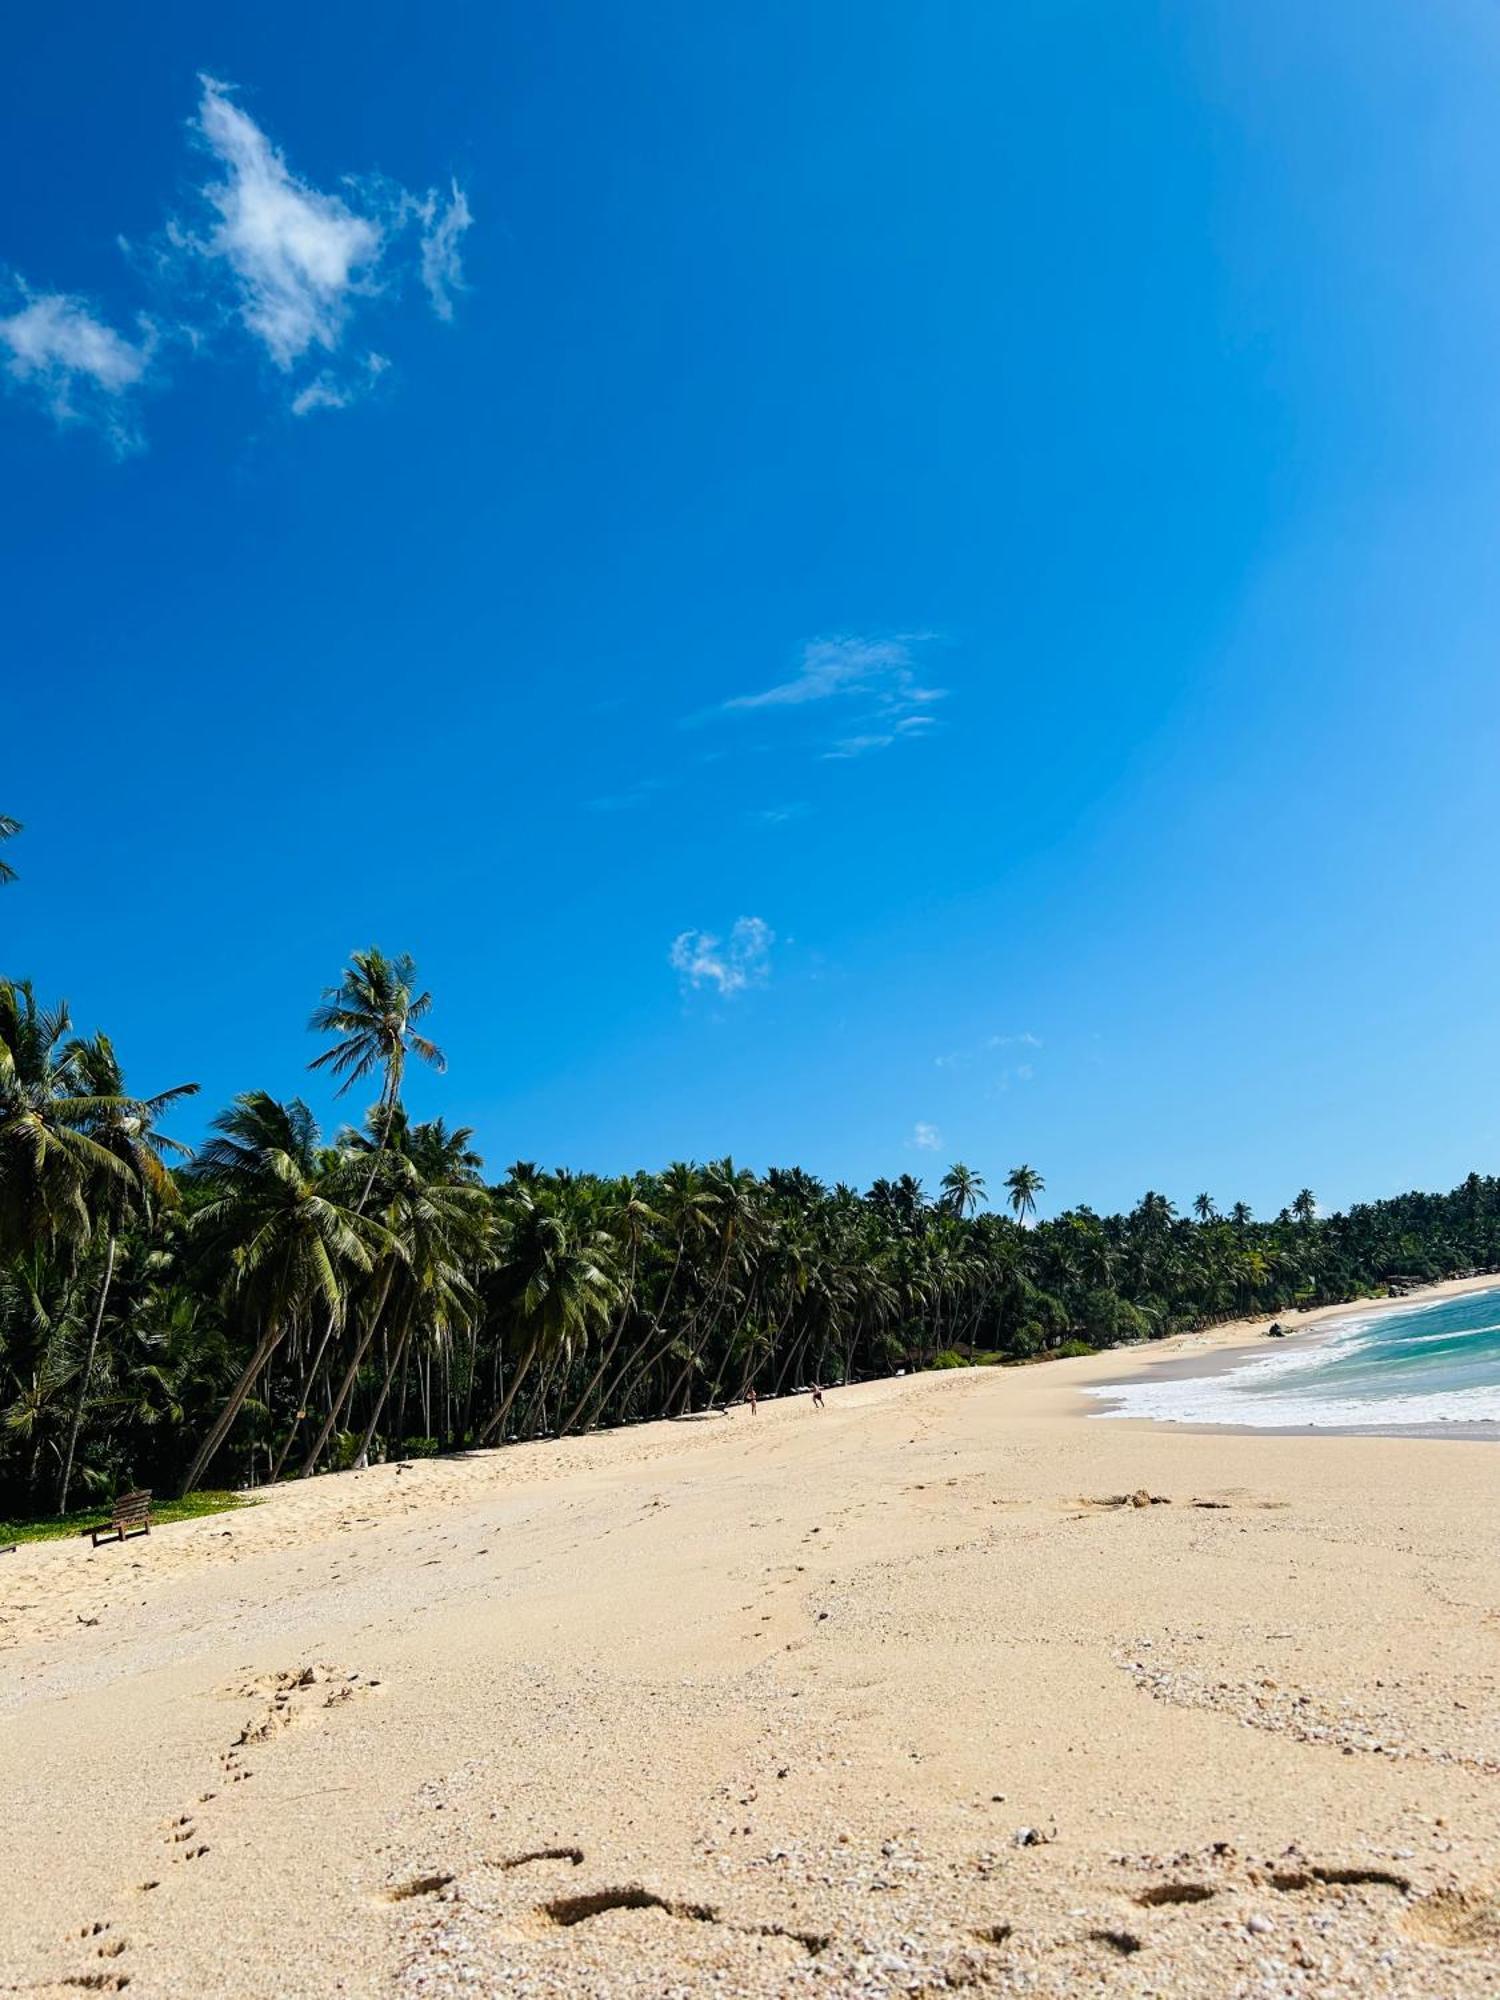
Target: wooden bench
x=131, y=1515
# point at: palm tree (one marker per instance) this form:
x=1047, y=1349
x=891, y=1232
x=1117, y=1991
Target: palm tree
x=125, y=1128
x=9, y=828
x=50, y=1162
x=1305, y=1206
x=1204, y=1208
x=558, y=1284
x=1025, y=1184
x=963, y=1190
x=439, y=1222
x=371, y=1010
x=276, y=1235
x=629, y=1220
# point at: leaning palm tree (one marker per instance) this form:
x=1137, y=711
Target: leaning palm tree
x=629, y=1220
x=126, y=1128
x=1024, y=1185
x=278, y=1238
x=559, y=1282
x=437, y=1220
x=9, y=828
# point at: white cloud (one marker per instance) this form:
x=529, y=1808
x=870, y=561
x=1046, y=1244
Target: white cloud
x=297, y=255
x=704, y=960
x=442, y=267
x=857, y=746
x=926, y=1138
x=82, y=370
x=297, y=262
x=289, y=262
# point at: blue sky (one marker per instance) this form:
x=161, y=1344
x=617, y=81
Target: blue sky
x=861, y=586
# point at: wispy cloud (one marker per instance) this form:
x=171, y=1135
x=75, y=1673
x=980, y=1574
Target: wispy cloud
x=443, y=223
x=329, y=391
x=56, y=349
x=962, y=1058
x=926, y=1138
x=704, y=961
x=266, y=252
x=877, y=677
x=639, y=794
x=780, y=815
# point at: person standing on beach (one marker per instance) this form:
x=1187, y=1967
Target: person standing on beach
x=750, y=1397
x=817, y=1393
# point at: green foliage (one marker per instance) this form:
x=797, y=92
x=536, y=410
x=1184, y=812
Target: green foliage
x=58, y=1527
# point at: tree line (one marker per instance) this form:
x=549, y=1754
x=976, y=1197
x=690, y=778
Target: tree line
x=279, y=1301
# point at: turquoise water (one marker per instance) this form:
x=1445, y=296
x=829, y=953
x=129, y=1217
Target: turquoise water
x=1402, y=1367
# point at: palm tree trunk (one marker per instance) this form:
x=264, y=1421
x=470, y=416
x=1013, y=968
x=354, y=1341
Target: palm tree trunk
x=628, y=1380
x=265, y=1348
x=608, y=1356
x=387, y=1104
x=83, y=1385
x=307, y=1388
x=350, y=1373
x=497, y=1420
x=361, y=1457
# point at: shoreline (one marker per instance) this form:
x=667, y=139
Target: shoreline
x=1222, y=1349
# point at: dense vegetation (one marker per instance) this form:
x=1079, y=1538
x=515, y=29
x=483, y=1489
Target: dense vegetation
x=278, y=1302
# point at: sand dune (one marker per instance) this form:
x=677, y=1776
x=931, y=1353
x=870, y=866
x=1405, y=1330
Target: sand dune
x=906, y=1697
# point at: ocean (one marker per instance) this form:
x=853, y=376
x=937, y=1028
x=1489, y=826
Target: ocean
x=1424, y=1368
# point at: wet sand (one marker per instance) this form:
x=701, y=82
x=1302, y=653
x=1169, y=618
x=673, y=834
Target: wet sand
x=904, y=1697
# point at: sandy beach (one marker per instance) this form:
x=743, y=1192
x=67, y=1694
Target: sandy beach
x=903, y=1697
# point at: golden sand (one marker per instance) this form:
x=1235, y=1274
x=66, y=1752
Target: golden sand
x=903, y=1697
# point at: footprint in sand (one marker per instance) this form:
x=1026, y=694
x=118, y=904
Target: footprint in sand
x=1460, y=1919
x=1162, y=1895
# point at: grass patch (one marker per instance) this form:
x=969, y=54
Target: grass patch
x=57, y=1527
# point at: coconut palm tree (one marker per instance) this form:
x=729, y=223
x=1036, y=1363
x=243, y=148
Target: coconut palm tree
x=963, y=1190
x=371, y=1010
x=1204, y=1208
x=629, y=1220
x=1305, y=1205
x=438, y=1222
x=50, y=1162
x=276, y=1235
x=9, y=828
x=126, y=1128
x=1024, y=1185
x=557, y=1283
